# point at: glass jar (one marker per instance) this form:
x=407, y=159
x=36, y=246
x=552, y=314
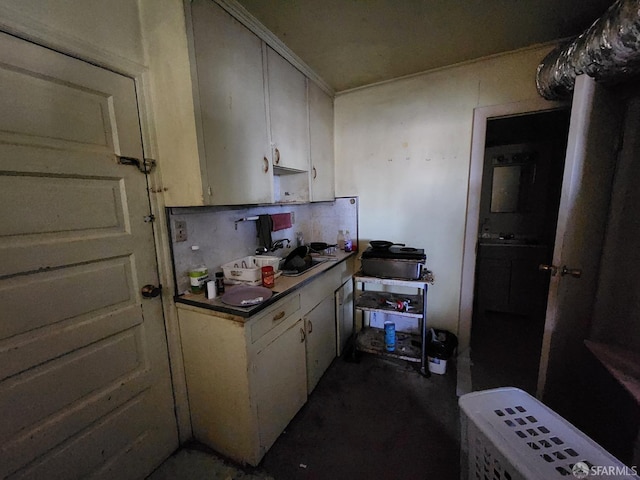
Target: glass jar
x=268, y=276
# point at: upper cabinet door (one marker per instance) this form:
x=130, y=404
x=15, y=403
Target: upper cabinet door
x=288, y=113
x=321, y=143
x=232, y=108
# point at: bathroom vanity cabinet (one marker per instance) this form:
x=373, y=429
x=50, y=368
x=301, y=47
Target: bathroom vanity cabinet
x=508, y=278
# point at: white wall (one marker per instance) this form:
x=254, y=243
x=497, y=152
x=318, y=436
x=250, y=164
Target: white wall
x=616, y=316
x=404, y=148
x=170, y=94
x=91, y=29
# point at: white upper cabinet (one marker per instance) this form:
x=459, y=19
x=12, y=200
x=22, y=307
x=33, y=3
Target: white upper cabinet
x=321, y=144
x=232, y=121
x=288, y=113
x=251, y=116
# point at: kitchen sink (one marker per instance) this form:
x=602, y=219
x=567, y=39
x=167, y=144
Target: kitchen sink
x=314, y=263
x=507, y=241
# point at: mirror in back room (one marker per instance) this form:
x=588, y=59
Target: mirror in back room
x=513, y=177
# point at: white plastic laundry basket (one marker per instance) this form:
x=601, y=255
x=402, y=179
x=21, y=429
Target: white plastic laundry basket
x=508, y=434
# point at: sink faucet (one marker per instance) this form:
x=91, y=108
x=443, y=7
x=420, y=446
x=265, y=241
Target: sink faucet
x=280, y=244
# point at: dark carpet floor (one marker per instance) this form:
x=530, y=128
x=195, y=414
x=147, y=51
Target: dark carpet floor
x=378, y=418
x=375, y=419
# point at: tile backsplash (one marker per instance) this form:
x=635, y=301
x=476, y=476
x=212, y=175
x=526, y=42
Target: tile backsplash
x=222, y=238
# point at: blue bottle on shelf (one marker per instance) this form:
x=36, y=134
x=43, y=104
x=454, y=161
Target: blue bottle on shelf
x=389, y=336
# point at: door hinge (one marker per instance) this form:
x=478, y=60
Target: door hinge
x=149, y=218
x=145, y=166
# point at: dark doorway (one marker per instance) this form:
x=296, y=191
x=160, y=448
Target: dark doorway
x=521, y=186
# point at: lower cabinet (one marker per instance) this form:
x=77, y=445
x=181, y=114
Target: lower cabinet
x=248, y=377
x=320, y=327
x=280, y=382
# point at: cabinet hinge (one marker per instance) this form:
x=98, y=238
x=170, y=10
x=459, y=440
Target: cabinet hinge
x=145, y=166
x=149, y=218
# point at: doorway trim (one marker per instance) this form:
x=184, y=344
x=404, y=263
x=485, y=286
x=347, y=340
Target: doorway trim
x=478, y=137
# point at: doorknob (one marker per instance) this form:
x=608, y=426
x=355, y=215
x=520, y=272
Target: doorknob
x=548, y=268
x=574, y=272
x=151, y=291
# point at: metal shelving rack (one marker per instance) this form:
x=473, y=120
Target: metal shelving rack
x=409, y=347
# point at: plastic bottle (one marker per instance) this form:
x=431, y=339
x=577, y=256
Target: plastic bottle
x=198, y=273
x=340, y=241
x=348, y=243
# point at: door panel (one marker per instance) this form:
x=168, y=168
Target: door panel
x=280, y=383
x=344, y=315
x=593, y=142
x=83, y=358
x=320, y=325
x=232, y=106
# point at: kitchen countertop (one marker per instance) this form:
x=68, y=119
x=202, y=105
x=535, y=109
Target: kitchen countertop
x=512, y=242
x=283, y=287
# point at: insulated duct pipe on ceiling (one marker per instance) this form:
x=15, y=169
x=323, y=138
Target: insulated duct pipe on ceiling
x=609, y=51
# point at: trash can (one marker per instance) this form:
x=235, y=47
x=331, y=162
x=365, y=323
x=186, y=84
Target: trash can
x=440, y=347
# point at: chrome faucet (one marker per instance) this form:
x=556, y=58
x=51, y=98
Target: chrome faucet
x=280, y=244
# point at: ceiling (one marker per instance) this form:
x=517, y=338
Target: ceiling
x=350, y=43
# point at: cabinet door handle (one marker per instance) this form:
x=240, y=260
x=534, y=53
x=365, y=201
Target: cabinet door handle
x=277, y=159
x=315, y=173
x=310, y=329
x=278, y=316
x=302, y=335
x=266, y=164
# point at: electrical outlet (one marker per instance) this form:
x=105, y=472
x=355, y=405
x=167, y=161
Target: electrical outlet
x=180, y=230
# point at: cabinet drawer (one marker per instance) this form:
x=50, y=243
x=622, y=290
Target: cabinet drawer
x=275, y=316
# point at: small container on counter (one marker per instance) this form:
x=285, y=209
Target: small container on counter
x=211, y=290
x=268, y=276
x=348, y=243
x=219, y=283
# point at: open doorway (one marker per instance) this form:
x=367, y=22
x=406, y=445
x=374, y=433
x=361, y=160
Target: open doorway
x=520, y=192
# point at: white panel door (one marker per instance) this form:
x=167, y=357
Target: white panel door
x=592, y=149
x=85, y=390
